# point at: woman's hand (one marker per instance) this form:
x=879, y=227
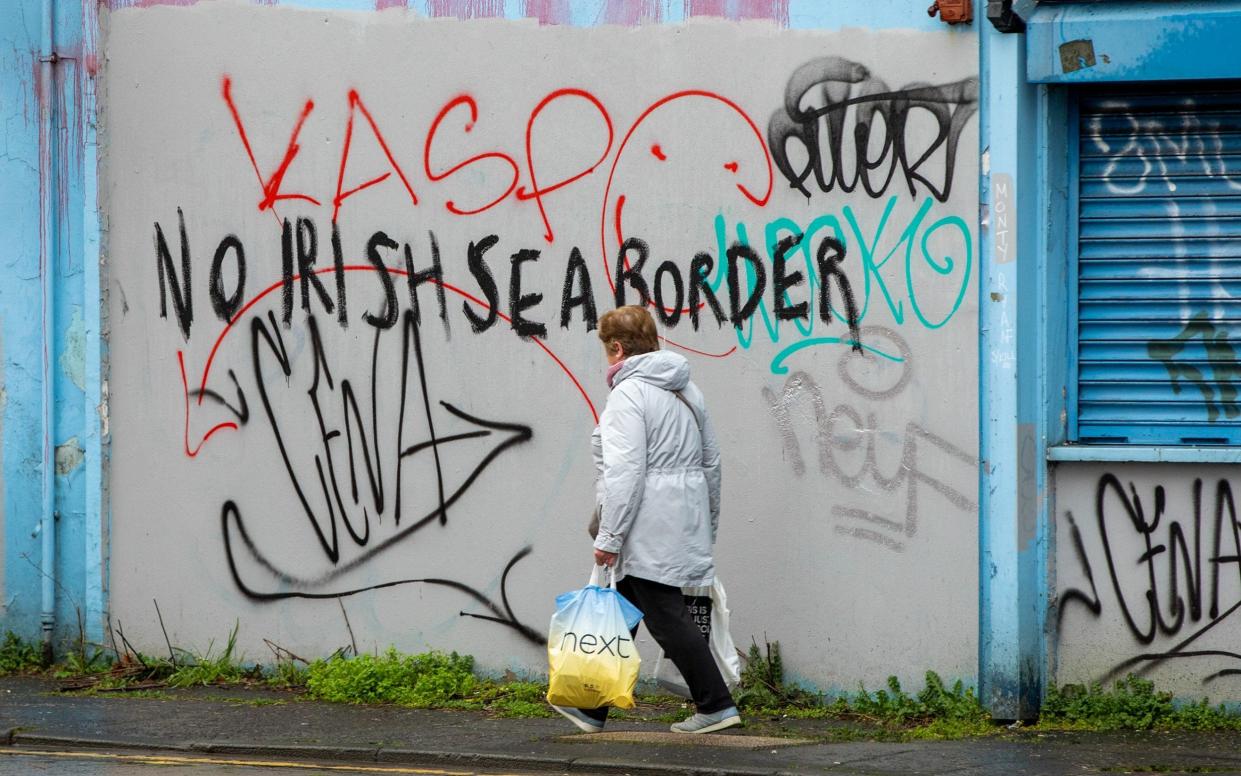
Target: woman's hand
x=605, y=558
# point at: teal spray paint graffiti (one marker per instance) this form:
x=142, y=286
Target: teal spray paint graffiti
x=912, y=246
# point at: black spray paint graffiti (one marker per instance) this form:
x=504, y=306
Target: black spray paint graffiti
x=1159, y=582
x=350, y=488
x=832, y=438
x=346, y=493
x=1219, y=391
x=818, y=100
x=305, y=281
x=828, y=262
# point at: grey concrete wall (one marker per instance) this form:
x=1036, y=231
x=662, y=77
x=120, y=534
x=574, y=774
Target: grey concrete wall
x=434, y=480
x=1147, y=575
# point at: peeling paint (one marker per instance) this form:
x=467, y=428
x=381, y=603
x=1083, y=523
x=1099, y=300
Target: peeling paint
x=69, y=456
x=381, y=5
x=102, y=409
x=73, y=359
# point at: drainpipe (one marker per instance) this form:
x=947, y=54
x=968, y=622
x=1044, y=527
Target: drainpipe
x=48, y=240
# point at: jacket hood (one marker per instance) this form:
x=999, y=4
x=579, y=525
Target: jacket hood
x=661, y=368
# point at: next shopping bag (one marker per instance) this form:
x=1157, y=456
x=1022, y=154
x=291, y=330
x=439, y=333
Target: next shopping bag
x=592, y=659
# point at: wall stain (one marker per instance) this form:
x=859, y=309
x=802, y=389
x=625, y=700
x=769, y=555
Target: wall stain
x=73, y=359
x=69, y=456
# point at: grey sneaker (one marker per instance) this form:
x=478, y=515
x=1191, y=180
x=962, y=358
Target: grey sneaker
x=709, y=723
x=577, y=717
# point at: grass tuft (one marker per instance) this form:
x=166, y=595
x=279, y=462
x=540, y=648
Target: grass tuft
x=210, y=668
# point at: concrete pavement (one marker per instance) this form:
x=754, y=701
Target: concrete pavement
x=25, y=761
x=258, y=723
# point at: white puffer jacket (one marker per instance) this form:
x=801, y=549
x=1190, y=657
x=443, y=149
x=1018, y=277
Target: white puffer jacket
x=658, y=473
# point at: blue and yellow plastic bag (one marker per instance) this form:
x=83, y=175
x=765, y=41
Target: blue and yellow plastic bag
x=591, y=655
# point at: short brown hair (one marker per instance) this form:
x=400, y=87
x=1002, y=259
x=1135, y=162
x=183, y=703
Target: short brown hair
x=631, y=326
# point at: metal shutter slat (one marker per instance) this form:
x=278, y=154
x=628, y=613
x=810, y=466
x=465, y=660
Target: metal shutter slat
x=1202, y=290
x=1160, y=249
x=1145, y=330
x=1159, y=309
x=1106, y=374
x=1158, y=314
x=1182, y=270
x=1139, y=187
x=1203, y=98
x=1119, y=352
x=1104, y=432
x=1170, y=229
x=1163, y=207
x=1107, y=166
x=1169, y=397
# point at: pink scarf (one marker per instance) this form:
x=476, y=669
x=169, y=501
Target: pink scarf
x=612, y=370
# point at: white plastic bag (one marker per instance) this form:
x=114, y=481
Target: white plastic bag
x=722, y=647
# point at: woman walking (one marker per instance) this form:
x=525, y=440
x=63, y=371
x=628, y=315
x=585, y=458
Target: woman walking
x=658, y=489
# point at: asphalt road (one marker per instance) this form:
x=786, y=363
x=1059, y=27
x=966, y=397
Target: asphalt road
x=19, y=761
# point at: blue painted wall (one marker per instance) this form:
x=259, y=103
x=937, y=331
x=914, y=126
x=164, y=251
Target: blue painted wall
x=75, y=358
x=19, y=314
x=1136, y=41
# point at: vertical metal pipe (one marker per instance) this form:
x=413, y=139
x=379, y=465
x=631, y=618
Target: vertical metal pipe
x=48, y=239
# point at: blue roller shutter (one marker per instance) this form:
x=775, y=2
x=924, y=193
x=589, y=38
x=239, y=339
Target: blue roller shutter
x=1158, y=281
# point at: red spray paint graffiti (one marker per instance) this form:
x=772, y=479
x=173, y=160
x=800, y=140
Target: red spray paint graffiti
x=751, y=177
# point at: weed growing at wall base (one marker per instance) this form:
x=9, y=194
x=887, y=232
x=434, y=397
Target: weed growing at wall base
x=425, y=680
x=1132, y=704
x=935, y=712
x=18, y=656
x=448, y=681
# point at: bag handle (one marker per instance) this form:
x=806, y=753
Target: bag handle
x=596, y=576
x=694, y=412
x=689, y=406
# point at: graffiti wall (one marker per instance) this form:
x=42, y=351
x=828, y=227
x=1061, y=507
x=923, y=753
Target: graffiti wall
x=356, y=263
x=1147, y=575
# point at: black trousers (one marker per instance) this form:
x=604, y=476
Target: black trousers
x=671, y=625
